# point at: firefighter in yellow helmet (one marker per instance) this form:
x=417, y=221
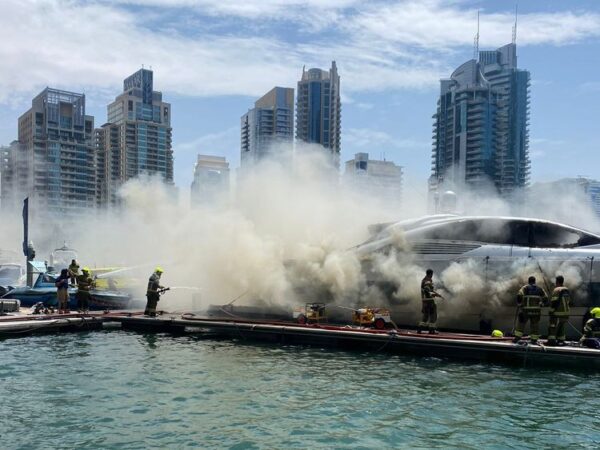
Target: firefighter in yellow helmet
x=560, y=309
x=73, y=271
x=428, y=306
x=85, y=282
x=591, y=330
x=153, y=292
x=529, y=303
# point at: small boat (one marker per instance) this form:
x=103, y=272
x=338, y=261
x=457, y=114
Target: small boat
x=44, y=290
x=107, y=278
x=60, y=258
x=11, y=275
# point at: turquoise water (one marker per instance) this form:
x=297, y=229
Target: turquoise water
x=121, y=390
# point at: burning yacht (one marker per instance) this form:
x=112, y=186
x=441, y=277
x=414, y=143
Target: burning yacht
x=499, y=251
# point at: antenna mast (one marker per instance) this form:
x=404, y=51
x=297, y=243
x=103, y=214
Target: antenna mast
x=514, y=30
x=476, y=41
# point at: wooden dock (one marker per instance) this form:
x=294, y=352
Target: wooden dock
x=444, y=345
x=14, y=325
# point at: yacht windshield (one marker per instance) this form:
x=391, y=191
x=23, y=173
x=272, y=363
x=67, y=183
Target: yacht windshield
x=62, y=258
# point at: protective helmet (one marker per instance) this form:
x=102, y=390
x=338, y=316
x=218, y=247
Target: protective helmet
x=86, y=269
x=595, y=312
x=159, y=270
x=497, y=334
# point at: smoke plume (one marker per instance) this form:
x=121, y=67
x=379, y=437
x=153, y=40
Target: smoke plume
x=287, y=234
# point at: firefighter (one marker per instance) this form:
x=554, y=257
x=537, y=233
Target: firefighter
x=153, y=292
x=529, y=308
x=84, y=284
x=591, y=330
x=73, y=271
x=428, y=306
x=558, y=313
x=62, y=291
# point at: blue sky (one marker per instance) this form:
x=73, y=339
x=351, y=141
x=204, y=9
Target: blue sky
x=213, y=58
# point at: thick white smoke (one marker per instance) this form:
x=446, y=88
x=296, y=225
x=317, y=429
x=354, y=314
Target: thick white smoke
x=285, y=236
x=288, y=225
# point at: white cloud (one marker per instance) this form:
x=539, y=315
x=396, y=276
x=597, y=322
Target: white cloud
x=377, y=140
x=365, y=105
x=425, y=23
x=220, y=143
x=92, y=45
x=69, y=45
x=546, y=142
x=541, y=147
x=589, y=87
x=212, y=143
x=304, y=10
x=435, y=24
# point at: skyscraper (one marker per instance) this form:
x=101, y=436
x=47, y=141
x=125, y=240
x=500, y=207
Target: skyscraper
x=380, y=180
x=137, y=137
x=318, y=110
x=267, y=129
x=110, y=163
x=211, y=180
x=480, y=131
x=53, y=161
x=6, y=174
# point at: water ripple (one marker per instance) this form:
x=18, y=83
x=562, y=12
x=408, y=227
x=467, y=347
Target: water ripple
x=125, y=390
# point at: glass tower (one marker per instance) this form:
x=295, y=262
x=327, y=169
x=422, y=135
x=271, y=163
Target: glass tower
x=211, y=181
x=480, y=131
x=53, y=160
x=318, y=110
x=267, y=129
x=137, y=138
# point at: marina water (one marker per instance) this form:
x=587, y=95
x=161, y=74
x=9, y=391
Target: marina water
x=117, y=389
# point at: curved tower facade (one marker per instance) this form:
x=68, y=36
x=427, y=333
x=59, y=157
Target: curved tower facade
x=481, y=126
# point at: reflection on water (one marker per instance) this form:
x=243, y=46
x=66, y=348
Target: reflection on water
x=125, y=390
x=149, y=339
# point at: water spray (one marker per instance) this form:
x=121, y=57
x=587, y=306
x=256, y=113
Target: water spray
x=188, y=288
x=117, y=271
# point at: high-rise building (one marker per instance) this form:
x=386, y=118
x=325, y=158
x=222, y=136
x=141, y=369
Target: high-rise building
x=592, y=189
x=318, y=110
x=110, y=163
x=211, y=180
x=377, y=179
x=53, y=161
x=480, y=131
x=14, y=175
x=267, y=130
x=136, y=139
x=6, y=169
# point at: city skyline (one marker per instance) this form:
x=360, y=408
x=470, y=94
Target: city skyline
x=388, y=90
